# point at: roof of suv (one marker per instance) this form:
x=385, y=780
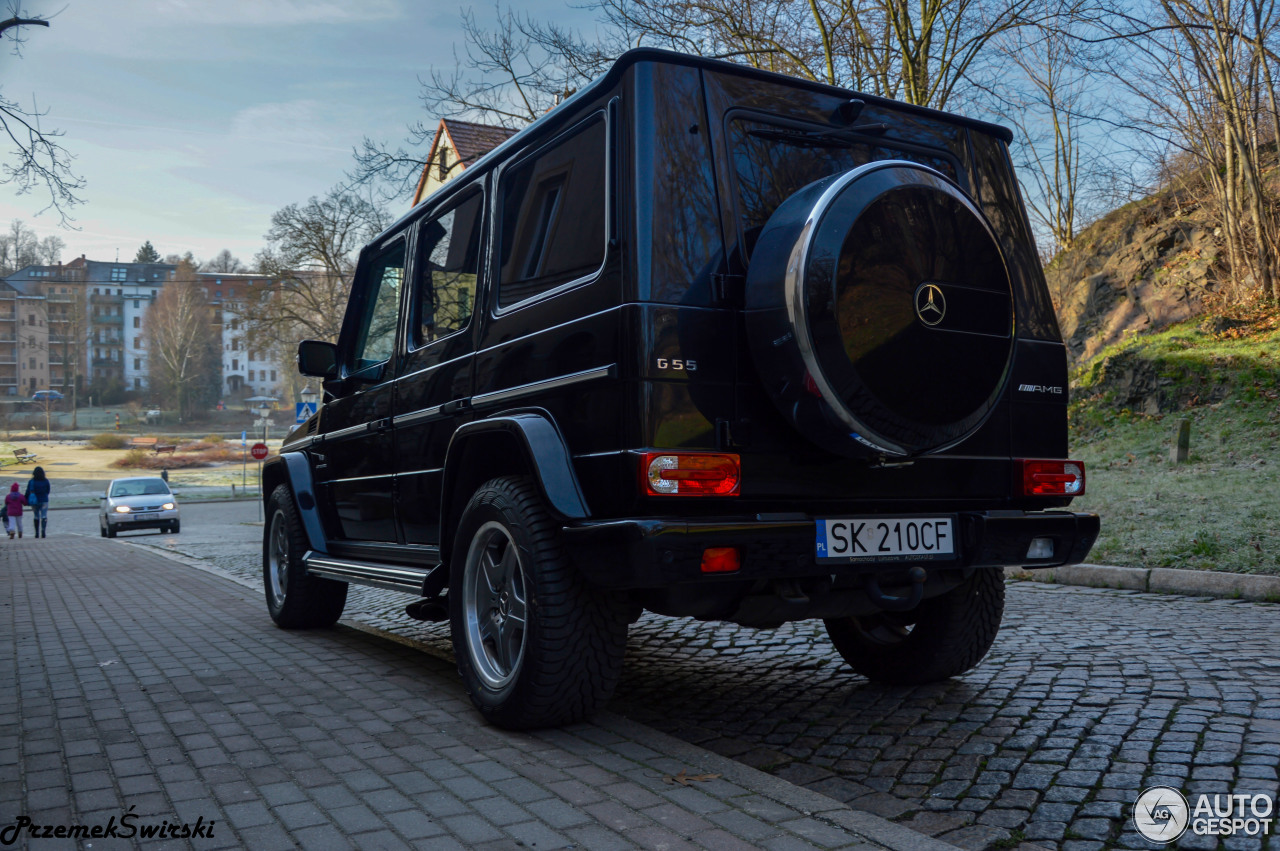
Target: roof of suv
x=653, y=54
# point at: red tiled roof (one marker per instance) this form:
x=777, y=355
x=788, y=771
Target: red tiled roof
x=470, y=141
x=473, y=141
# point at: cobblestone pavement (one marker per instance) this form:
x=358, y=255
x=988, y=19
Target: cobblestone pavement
x=1088, y=696
x=142, y=696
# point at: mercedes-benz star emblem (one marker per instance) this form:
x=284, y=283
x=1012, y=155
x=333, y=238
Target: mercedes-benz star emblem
x=931, y=305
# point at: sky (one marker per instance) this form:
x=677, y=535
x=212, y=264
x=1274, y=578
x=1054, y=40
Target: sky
x=192, y=121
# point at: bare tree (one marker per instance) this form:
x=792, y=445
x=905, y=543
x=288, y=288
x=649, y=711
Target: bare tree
x=508, y=75
x=50, y=250
x=36, y=158
x=67, y=317
x=1202, y=74
x=19, y=247
x=311, y=258
x=188, y=258
x=224, y=261
x=182, y=341
x=921, y=51
x=1062, y=167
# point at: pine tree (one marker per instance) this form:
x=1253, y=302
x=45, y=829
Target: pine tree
x=147, y=254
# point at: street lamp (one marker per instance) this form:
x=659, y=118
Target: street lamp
x=308, y=396
x=263, y=412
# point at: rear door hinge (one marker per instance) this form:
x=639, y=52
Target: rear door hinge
x=728, y=289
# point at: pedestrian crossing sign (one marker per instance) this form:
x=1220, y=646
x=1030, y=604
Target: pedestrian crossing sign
x=306, y=410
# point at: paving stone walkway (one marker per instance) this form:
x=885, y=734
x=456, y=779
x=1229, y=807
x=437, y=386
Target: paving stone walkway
x=144, y=695
x=1088, y=696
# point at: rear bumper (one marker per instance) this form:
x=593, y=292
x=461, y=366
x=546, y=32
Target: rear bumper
x=655, y=552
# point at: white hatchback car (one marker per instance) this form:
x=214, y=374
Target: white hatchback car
x=143, y=502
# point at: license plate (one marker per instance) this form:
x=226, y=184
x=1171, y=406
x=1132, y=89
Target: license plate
x=152, y=516
x=886, y=539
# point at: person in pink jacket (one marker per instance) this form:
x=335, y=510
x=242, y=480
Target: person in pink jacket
x=13, y=507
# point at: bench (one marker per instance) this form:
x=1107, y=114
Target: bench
x=23, y=456
x=152, y=443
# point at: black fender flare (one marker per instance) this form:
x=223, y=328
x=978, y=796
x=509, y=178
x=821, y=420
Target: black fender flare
x=293, y=469
x=545, y=455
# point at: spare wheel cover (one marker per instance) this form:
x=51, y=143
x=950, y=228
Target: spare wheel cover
x=899, y=305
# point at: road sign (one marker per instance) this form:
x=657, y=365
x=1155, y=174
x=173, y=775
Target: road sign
x=259, y=451
x=243, y=434
x=305, y=411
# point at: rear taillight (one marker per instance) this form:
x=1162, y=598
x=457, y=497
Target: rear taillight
x=1051, y=478
x=690, y=474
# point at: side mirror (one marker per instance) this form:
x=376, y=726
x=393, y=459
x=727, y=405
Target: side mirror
x=318, y=359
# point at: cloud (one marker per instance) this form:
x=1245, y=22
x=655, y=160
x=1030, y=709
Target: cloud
x=256, y=13
x=307, y=123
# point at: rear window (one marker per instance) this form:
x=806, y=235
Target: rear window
x=553, y=216
x=771, y=161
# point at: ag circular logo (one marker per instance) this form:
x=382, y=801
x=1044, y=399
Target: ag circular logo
x=931, y=305
x=1161, y=814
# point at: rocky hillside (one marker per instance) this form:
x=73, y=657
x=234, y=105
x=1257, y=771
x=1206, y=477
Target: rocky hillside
x=1142, y=268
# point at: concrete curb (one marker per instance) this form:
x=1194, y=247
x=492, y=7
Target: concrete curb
x=815, y=804
x=1160, y=580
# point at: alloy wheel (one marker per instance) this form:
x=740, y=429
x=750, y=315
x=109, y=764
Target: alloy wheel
x=494, y=605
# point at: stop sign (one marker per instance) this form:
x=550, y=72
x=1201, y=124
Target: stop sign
x=258, y=451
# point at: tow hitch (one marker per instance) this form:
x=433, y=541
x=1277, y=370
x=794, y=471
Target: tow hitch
x=898, y=604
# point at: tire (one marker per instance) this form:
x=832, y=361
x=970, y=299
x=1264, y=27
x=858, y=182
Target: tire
x=295, y=599
x=175, y=527
x=109, y=531
x=564, y=662
x=942, y=637
x=102, y=529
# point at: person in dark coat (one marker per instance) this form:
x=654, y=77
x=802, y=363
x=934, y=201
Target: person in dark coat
x=13, y=510
x=38, y=498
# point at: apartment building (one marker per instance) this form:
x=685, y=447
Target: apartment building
x=38, y=346
x=85, y=322
x=245, y=371
x=119, y=295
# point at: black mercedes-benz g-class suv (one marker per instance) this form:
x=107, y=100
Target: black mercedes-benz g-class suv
x=702, y=340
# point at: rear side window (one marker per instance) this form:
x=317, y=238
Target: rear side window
x=449, y=248
x=553, y=216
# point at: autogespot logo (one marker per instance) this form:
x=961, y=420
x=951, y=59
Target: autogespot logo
x=1161, y=814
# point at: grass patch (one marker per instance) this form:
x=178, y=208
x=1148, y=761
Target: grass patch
x=109, y=440
x=1221, y=509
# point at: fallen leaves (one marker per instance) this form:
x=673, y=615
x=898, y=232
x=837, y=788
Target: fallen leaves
x=684, y=778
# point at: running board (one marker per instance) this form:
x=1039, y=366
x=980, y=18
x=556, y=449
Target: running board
x=394, y=578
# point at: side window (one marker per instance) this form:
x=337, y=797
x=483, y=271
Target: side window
x=376, y=334
x=449, y=248
x=553, y=216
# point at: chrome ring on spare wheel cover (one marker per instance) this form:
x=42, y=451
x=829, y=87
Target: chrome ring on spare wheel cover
x=494, y=605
